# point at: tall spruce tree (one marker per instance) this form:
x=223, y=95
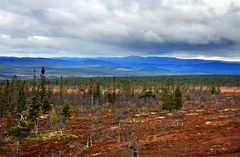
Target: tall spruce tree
x=4, y=98
x=91, y=93
x=45, y=103
x=167, y=98
x=7, y=97
x=12, y=95
x=111, y=97
x=178, y=98
x=34, y=108
x=21, y=105
x=171, y=98
x=65, y=110
x=34, y=85
x=61, y=88
x=97, y=94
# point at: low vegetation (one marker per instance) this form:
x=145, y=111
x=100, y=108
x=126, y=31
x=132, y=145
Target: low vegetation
x=84, y=113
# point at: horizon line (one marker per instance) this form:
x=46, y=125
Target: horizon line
x=212, y=58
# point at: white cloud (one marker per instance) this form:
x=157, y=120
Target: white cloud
x=106, y=27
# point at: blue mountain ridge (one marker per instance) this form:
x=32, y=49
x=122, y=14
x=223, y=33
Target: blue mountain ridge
x=113, y=66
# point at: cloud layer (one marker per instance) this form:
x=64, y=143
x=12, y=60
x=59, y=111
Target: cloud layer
x=180, y=28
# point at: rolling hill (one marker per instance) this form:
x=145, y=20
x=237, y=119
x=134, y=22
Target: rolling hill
x=114, y=66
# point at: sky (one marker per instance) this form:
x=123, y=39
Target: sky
x=203, y=29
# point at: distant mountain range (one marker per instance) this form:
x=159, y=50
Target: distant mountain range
x=113, y=66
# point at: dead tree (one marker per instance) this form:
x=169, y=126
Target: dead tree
x=219, y=103
x=235, y=99
x=106, y=134
x=117, y=115
x=91, y=134
x=132, y=150
x=202, y=98
x=130, y=138
x=80, y=150
x=178, y=118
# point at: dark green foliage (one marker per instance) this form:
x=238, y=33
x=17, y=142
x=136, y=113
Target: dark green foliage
x=34, y=81
x=111, y=97
x=158, y=81
x=46, y=105
x=9, y=93
x=8, y=96
x=97, y=90
x=10, y=121
x=21, y=131
x=149, y=93
x=171, y=97
x=178, y=98
x=40, y=101
x=61, y=88
x=65, y=110
x=127, y=88
x=213, y=90
x=97, y=94
x=21, y=99
x=94, y=92
x=167, y=97
x=2, y=100
x=34, y=108
x=167, y=100
x=43, y=84
x=13, y=92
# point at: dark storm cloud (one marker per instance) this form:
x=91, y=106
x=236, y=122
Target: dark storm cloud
x=179, y=28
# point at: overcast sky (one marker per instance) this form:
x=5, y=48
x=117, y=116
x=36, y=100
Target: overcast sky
x=208, y=29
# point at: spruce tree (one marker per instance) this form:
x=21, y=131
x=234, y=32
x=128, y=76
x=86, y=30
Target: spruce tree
x=34, y=80
x=97, y=94
x=178, y=98
x=6, y=96
x=91, y=93
x=61, y=88
x=54, y=121
x=21, y=105
x=214, y=90
x=127, y=88
x=167, y=97
x=45, y=103
x=12, y=95
x=171, y=97
x=3, y=100
x=111, y=97
x=34, y=108
x=19, y=130
x=65, y=110
x=147, y=94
